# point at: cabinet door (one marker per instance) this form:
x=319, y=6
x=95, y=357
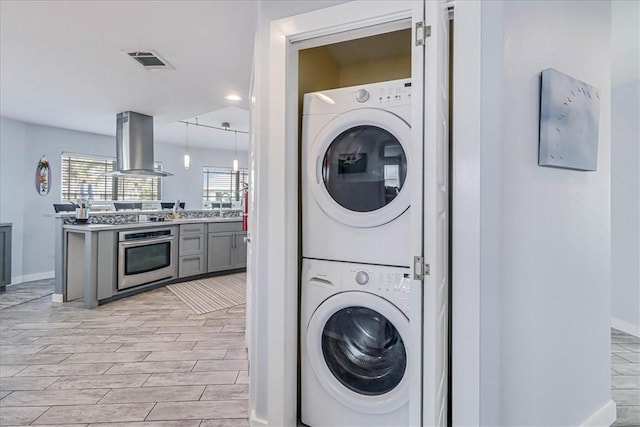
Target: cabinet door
x=240, y=251
x=3, y=267
x=219, y=252
x=191, y=244
x=191, y=265
x=5, y=256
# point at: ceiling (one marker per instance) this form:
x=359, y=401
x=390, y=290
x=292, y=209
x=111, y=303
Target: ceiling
x=62, y=64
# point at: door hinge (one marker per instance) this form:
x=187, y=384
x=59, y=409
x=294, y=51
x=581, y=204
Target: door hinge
x=422, y=32
x=420, y=269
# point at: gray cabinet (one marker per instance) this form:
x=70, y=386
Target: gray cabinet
x=5, y=255
x=226, y=249
x=220, y=251
x=191, y=250
x=240, y=250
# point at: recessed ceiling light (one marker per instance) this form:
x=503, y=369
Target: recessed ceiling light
x=233, y=98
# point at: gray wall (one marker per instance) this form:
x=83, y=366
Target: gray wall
x=545, y=233
x=22, y=145
x=12, y=137
x=625, y=165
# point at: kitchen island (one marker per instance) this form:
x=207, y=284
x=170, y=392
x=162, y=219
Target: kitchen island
x=117, y=254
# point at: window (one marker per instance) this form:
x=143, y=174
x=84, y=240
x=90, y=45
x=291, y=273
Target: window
x=83, y=177
x=222, y=186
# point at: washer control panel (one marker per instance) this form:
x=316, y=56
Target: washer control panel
x=392, y=283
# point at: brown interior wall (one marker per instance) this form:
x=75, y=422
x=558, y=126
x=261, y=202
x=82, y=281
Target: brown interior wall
x=397, y=67
x=317, y=70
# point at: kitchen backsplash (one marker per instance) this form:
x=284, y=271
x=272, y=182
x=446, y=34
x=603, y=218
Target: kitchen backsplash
x=134, y=217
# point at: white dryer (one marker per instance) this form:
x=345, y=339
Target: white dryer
x=355, y=162
x=354, y=345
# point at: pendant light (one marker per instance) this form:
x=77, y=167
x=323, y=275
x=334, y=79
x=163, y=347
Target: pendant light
x=235, y=151
x=226, y=126
x=187, y=159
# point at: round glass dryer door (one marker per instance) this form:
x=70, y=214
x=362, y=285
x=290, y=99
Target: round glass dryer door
x=360, y=167
x=364, y=168
x=357, y=349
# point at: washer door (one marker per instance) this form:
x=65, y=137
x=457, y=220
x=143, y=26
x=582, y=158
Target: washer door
x=356, y=345
x=358, y=167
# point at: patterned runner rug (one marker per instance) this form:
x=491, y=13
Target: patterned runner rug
x=211, y=294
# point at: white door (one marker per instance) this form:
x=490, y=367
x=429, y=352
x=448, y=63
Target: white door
x=419, y=415
x=429, y=118
x=436, y=215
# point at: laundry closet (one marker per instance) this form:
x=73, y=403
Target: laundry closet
x=359, y=160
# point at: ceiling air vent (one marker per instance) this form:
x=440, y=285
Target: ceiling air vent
x=149, y=59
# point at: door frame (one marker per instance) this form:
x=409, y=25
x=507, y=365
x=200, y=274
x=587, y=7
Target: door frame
x=283, y=164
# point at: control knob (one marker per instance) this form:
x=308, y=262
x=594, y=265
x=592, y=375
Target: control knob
x=362, y=278
x=362, y=95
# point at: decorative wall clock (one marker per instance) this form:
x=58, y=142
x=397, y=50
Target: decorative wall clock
x=569, y=116
x=43, y=176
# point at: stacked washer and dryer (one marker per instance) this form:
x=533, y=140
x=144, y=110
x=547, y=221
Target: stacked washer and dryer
x=355, y=268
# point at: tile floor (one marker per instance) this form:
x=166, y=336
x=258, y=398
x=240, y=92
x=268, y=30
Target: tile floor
x=625, y=377
x=25, y=292
x=147, y=360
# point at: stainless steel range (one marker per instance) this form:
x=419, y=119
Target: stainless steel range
x=145, y=256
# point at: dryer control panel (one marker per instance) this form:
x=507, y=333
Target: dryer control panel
x=384, y=95
x=389, y=94
x=392, y=95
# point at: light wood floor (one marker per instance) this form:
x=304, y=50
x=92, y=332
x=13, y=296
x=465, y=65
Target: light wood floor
x=146, y=360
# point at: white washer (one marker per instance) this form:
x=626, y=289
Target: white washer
x=354, y=344
x=355, y=162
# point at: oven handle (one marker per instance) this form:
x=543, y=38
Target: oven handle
x=145, y=242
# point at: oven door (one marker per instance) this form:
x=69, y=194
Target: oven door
x=145, y=261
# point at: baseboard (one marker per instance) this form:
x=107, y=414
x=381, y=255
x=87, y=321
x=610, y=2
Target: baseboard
x=31, y=277
x=604, y=416
x=57, y=298
x=626, y=327
x=255, y=421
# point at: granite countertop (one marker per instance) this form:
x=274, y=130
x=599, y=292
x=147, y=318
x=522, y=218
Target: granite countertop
x=135, y=212
x=147, y=224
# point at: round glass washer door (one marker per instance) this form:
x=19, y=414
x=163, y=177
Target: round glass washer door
x=356, y=345
x=358, y=167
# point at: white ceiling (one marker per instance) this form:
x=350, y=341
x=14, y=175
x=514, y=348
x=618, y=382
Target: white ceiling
x=61, y=64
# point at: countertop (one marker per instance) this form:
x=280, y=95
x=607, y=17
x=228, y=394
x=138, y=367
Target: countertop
x=147, y=224
x=8, y=224
x=134, y=212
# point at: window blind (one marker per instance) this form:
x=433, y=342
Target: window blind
x=83, y=177
x=217, y=181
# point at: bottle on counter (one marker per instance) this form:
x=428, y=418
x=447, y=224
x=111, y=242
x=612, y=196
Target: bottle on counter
x=174, y=212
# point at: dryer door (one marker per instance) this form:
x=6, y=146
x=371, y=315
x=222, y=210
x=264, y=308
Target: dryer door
x=358, y=167
x=356, y=344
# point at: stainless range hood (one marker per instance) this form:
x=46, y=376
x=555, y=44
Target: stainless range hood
x=134, y=145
